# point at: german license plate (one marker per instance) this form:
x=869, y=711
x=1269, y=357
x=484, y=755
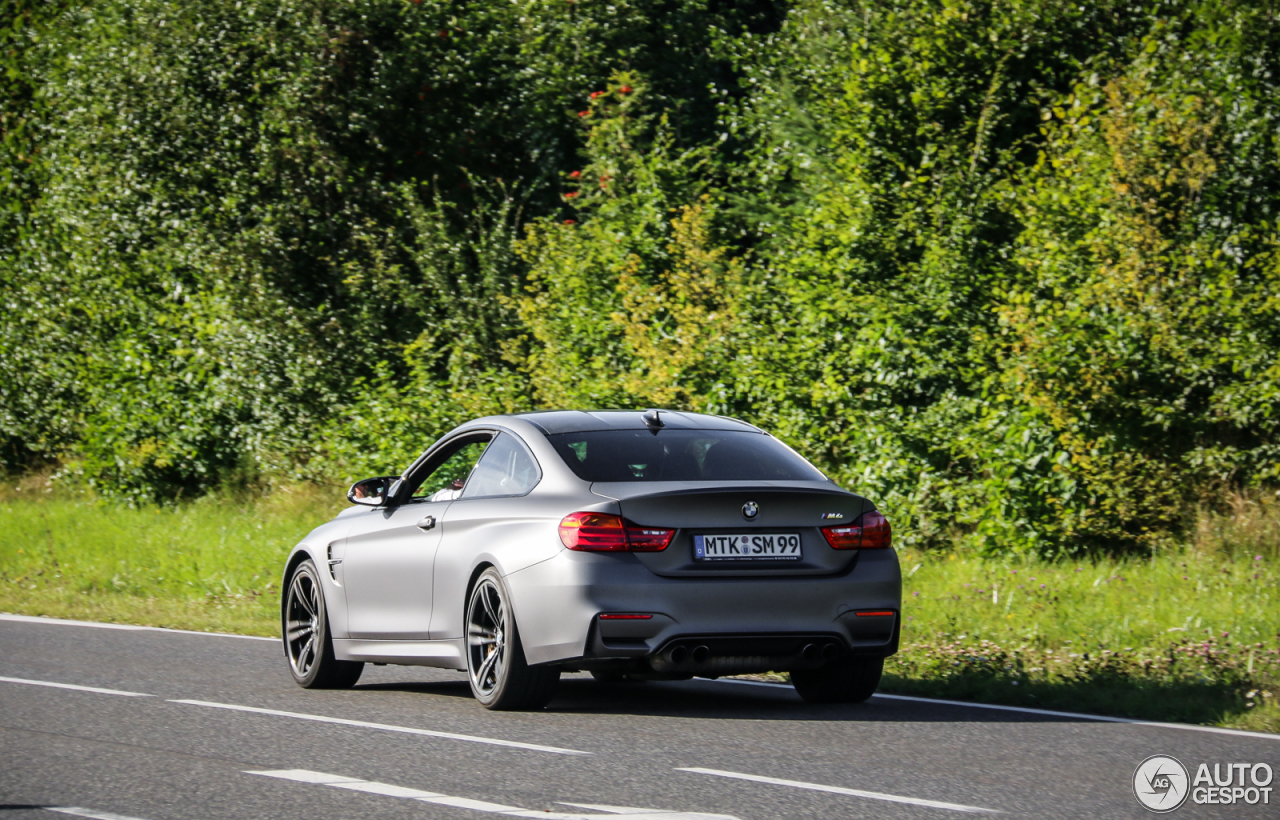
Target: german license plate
x=755, y=547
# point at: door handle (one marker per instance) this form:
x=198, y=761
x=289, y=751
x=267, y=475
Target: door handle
x=427, y=523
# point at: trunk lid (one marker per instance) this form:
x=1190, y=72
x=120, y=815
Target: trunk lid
x=783, y=508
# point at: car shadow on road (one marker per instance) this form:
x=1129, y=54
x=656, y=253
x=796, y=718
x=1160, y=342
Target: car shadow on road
x=441, y=688
x=724, y=700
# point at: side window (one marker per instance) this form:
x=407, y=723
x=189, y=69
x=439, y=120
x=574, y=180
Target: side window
x=445, y=482
x=505, y=469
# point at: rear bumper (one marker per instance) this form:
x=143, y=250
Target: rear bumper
x=558, y=602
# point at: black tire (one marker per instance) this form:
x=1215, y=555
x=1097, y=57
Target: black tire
x=305, y=630
x=851, y=680
x=496, y=668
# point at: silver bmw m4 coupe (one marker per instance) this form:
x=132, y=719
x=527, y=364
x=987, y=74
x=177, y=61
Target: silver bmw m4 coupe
x=654, y=545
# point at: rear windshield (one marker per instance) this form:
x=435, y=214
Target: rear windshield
x=680, y=455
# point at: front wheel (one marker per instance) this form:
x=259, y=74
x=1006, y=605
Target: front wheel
x=500, y=677
x=851, y=680
x=307, y=644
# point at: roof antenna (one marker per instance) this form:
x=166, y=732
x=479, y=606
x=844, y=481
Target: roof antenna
x=652, y=421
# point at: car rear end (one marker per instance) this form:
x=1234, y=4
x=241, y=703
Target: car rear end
x=731, y=595
x=683, y=570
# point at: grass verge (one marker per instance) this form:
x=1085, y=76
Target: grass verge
x=1186, y=636
x=208, y=565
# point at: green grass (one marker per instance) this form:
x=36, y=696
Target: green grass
x=210, y=565
x=1186, y=635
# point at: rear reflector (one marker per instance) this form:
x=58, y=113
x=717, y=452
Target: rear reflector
x=624, y=616
x=871, y=531
x=878, y=613
x=603, y=532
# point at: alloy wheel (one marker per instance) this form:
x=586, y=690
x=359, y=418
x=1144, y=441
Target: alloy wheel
x=486, y=636
x=302, y=623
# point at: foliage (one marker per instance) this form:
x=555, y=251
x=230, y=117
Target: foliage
x=635, y=305
x=938, y=197
x=1009, y=269
x=222, y=252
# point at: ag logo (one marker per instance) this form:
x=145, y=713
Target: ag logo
x=1161, y=783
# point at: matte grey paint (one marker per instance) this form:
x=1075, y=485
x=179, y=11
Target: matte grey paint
x=398, y=593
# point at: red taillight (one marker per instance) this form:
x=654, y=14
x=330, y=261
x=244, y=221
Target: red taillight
x=593, y=532
x=624, y=616
x=871, y=532
x=602, y=532
x=875, y=531
x=843, y=538
x=647, y=539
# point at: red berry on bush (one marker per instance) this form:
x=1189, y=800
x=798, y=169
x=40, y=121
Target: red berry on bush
x=626, y=89
x=571, y=195
x=584, y=113
x=574, y=174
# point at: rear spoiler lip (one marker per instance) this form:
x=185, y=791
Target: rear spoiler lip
x=606, y=489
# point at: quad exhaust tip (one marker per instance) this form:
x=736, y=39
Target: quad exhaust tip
x=812, y=653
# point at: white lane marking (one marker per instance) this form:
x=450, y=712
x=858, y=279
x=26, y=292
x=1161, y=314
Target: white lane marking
x=306, y=776
x=1081, y=716
x=612, y=809
x=386, y=727
x=385, y=789
x=34, y=619
x=96, y=815
x=75, y=687
x=389, y=790
x=1033, y=711
x=817, y=787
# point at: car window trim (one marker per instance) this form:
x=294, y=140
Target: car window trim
x=427, y=460
x=527, y=451
x=432, y=459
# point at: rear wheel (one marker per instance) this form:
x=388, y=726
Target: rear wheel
x=500, y=677
x=851, y=680
x=307, y=644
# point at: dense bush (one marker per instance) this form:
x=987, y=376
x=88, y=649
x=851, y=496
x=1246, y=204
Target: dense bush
x=1009, y=269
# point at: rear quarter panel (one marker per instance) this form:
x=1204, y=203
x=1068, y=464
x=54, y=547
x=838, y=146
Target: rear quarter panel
x=510, y=534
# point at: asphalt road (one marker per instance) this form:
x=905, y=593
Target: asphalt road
x=152, y=737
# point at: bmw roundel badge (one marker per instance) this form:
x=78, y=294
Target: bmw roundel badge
x=751, y=509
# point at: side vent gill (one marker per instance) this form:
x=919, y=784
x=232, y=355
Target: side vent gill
x=333, y=563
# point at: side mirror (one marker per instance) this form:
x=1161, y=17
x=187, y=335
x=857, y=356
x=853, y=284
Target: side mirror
x=372, y=492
